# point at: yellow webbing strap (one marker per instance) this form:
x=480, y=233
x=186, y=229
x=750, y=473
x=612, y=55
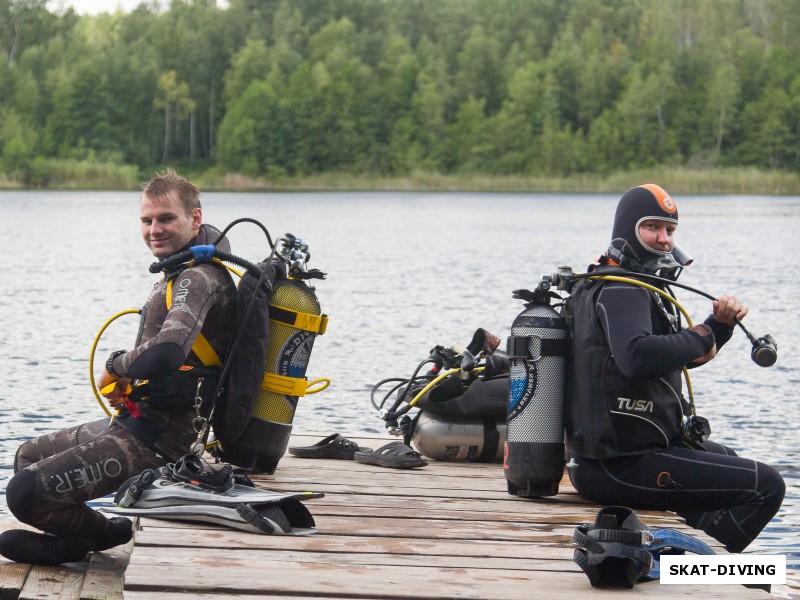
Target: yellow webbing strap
x=299, y=320
x=201, y=347
x=292, y=386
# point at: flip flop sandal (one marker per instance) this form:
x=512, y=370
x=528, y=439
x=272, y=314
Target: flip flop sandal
x=333, y=446
x=395, y=455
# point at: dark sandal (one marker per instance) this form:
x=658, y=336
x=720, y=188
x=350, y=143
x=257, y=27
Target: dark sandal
x=333, y=446
x=395, y=455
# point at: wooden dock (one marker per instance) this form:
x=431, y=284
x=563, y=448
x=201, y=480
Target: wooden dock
x=448, y=530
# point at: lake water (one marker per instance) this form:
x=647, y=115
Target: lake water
x=406, y=271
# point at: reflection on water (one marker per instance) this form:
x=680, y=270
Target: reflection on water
x=406, y=271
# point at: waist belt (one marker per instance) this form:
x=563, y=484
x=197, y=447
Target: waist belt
x=178, y=391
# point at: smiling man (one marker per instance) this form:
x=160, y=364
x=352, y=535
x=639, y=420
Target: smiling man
x=185, y=327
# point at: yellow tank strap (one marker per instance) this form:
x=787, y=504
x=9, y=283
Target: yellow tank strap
x=202, y=349
x=280, y=384
x=292, y=386
x=299, y=320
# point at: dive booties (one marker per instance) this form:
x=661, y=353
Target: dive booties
x=190, y=490
x=618, y=550
x=25, y=546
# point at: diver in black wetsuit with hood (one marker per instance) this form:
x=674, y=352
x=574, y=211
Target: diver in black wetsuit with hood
x=627, y=421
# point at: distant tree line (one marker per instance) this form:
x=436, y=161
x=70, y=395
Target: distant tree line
x=390, y=87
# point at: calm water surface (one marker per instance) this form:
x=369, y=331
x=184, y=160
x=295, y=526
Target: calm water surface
x=406, y=271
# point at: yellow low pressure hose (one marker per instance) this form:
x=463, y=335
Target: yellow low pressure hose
x=436, y=380
x=652, y=288
x=669, y=298
x=94, y=348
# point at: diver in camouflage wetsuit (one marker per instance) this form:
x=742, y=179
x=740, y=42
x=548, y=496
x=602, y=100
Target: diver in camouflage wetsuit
x=58, y=472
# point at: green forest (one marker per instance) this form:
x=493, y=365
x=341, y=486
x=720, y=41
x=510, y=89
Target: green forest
x=486, y=91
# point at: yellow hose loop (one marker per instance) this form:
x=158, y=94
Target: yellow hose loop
x=436, y=380
x=128, y=311
x=652, y=288
x=322, y=382
x=686, y=316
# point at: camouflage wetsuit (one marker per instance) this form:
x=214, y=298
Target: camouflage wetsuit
x=56, y=473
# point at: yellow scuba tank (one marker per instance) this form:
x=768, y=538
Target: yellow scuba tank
x=295, y=320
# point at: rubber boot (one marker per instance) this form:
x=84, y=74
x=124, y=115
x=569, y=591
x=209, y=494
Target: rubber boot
x=120, y=532
x=24, y=546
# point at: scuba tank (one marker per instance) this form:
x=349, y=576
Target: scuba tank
x=295, y=320
x=462, y=405
x=444, y=437
x=277, y=320
x=469, y=426
x=537, y=352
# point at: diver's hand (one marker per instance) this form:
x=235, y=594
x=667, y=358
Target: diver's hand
x=104, y=379
x=116, y=397
x=727, y=310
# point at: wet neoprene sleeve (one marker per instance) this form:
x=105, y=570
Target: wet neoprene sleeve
x=625, y=315
x=157, y=361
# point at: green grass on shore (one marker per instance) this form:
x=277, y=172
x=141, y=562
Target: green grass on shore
x=66, y=174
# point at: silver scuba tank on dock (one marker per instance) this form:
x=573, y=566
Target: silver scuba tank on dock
x=537, y=352
x=442, y=437
x=460, y=402
x=471, y=426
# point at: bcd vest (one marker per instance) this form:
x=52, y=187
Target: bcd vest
x=608, y=414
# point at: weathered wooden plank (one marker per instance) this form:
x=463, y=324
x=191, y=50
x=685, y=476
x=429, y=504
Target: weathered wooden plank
x=12, y=578
x=413, y=491
x=365, y=525
x=246, y=558
x=105, y=576
x=488, y=510
x=275, y=575
x=152, y=540
x=192, y=595
x=63, y=582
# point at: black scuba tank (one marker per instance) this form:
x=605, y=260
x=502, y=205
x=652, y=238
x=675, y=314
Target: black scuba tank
x=537, y=351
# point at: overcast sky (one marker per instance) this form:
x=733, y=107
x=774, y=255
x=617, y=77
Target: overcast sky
x=94, y=7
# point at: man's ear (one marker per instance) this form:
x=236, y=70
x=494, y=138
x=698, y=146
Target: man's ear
x=197, y=218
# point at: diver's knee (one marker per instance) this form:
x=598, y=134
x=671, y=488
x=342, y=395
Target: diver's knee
x=22, y=458
x=21, y=495
x=771, y=484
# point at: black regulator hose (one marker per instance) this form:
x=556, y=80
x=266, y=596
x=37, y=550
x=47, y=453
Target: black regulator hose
x=765, y=349
x=208, y=252
x=245, y=220
x=203, y=254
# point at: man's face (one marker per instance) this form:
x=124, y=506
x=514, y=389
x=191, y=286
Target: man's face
x=166, y=228
x=657, y=235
